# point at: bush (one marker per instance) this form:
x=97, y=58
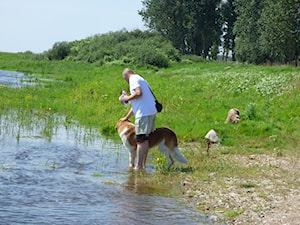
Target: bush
x=250, y=112
x=140, y=47
x=189, y=59
x=59, y=51
x=147, y=55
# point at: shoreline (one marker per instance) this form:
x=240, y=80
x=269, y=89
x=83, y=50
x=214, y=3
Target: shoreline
x=271, y=196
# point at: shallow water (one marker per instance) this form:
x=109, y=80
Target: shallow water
x=53, y=171
x=15, y=79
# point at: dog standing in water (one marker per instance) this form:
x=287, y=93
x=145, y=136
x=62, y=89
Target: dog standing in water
x=163, y=137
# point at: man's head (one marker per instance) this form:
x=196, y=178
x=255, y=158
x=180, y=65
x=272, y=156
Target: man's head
x=126, y=74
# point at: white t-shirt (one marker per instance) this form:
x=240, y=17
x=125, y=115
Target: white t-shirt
x=145, y=104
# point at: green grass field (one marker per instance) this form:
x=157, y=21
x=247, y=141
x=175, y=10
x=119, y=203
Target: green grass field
x=196, y=98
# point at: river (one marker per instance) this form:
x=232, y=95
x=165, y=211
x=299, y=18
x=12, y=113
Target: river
x=53, y=171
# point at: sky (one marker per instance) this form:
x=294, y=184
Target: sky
x=35, y=25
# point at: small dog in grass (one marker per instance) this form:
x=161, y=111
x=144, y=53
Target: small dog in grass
x=163, y=137
x=233, y=116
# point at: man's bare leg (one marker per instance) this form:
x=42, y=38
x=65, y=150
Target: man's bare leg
x=146, y=145
x=142, y=151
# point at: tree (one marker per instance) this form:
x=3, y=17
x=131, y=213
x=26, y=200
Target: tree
x=205, y=25
x=59, y=51
x=280, y=30
x=167, y=18
x=193, y=26
x=246, y=29
x=267, y=30
x=229, y=17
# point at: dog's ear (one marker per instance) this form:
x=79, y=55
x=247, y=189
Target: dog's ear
x=128, y=120
x=117, y=124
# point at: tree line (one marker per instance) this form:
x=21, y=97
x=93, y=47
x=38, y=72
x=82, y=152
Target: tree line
x=252, y=31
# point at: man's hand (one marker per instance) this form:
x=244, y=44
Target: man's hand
x=124, y=98
x=123, y=119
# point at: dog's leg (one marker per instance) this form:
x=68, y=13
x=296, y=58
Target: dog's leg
x=166, y=151
x=171, y=162
x=132, y=155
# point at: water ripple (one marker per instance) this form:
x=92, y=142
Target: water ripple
x=67, y=181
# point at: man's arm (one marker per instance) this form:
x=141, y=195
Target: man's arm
x=136, y=94
x=127, y=117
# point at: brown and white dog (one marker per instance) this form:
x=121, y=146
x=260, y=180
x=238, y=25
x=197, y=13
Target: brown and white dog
x=233, y=116
x=163, y=137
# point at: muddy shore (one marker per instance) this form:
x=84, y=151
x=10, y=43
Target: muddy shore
x=272, y=196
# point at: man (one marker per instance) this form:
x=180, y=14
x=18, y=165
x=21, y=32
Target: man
x=144, y=110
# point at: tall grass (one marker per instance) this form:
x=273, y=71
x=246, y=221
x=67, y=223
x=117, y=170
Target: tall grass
x=196, y=98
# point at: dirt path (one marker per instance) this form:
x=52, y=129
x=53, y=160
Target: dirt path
x=271, y=196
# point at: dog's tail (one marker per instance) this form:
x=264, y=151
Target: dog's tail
x=177, y=156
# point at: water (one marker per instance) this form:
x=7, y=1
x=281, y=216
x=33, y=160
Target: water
x=15, y=79
x=18, y=79
x=53, y=171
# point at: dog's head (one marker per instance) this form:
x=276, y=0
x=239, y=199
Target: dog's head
x=236, y=119
x=236, y=116
x=120, y=125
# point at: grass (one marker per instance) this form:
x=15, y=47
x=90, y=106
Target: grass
x=196, y=98
x=232, y=214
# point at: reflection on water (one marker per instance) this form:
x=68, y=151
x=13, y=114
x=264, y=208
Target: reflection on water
x=15, y=79
x=53, y=171
x=18, y=79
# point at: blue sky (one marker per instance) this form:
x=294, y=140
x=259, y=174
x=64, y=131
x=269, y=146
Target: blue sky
x=35, y=25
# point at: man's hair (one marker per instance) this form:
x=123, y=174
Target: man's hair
x=127, y=71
